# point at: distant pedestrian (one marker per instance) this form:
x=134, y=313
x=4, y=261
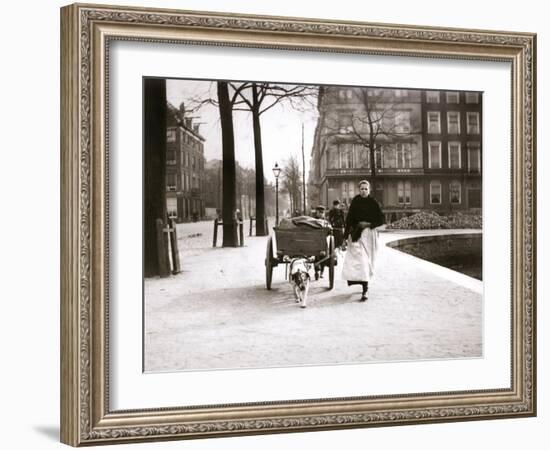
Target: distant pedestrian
x=364, y=216
x=238, y=216
x=337, y=220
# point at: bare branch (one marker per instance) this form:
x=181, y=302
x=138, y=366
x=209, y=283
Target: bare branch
x=240, y=89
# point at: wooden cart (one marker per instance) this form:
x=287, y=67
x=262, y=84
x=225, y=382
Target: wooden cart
x=314, y=244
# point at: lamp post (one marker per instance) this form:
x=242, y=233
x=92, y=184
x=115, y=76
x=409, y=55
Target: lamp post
x=276, y=172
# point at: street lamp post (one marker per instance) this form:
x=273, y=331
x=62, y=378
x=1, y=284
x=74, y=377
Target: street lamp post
x=276, y=172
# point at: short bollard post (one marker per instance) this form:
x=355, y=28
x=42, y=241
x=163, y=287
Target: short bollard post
x=162, y=247
x=241, y=233
x=215, y=233
x=176, y=266
x=235, y=232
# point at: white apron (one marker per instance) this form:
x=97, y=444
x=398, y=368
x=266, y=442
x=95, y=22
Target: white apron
x=360, y=257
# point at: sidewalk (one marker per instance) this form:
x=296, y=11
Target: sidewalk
x=217, y=313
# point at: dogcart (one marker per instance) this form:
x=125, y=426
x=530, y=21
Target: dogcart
x=314, y=244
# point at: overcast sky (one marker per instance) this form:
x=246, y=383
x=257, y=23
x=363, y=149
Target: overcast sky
x=281, y=127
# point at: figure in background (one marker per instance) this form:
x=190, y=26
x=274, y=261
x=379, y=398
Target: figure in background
x=337, y=220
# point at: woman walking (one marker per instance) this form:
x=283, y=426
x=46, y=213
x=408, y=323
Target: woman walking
x=364, y=216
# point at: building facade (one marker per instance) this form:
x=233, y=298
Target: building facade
x=185, y=165
x=452, y=149
x=421, y=150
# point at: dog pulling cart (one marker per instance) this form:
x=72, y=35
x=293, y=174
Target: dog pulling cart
x=316, y=245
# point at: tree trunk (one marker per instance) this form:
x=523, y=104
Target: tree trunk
x=260, y=198
x=372, y=151
x=229, y=192
x=154, y=162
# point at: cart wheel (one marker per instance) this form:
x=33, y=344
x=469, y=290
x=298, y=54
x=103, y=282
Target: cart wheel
x=269, y=263
x=330, y=253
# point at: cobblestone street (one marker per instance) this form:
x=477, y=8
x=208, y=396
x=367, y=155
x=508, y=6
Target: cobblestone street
x=217, y=313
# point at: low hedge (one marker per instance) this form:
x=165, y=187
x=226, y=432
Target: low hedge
x=430, y=220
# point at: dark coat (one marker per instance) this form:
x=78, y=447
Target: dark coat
x=363, y=210
x=336, y=217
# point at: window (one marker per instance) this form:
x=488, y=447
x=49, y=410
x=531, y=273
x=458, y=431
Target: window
x=348, y=191
x=474, y=157
x=378, y=157
x=472, y=97
x=404, y=192
x=435, y=193
x=333, y=158
x=432, y=96
x=452, y=97
x=402, y=122
x=474, y=195
x=434, y=124
x=172, y=207
x=171, y=182
x=345, y=123
x=403, y=155
x=434, y=155
x=171, y=135
x=453, y=122
x=344, y=94
x=171, y=157
x=473, y=122
x=454, y=155
x=454, y=193
x=389, y=156
x=346, y=156
x=360, y=156
x=400, y=92
x=351, y=190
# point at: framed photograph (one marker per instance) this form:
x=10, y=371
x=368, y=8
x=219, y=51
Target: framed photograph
x=279, y=224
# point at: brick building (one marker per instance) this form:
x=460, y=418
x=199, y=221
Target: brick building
x=452, y=149
x=185, y=163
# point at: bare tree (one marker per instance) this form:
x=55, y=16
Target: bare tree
x=154, y=201
x=292, y=181
x=378, y=118
x=229, y=170
x=259, y=98
x=225, y=99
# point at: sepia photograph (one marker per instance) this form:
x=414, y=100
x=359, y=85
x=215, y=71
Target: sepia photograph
x=291, y=225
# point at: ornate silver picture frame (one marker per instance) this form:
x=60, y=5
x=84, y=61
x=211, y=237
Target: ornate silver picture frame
x=87, y=413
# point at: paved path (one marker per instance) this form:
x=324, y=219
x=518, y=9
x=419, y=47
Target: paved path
x=217, y=313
